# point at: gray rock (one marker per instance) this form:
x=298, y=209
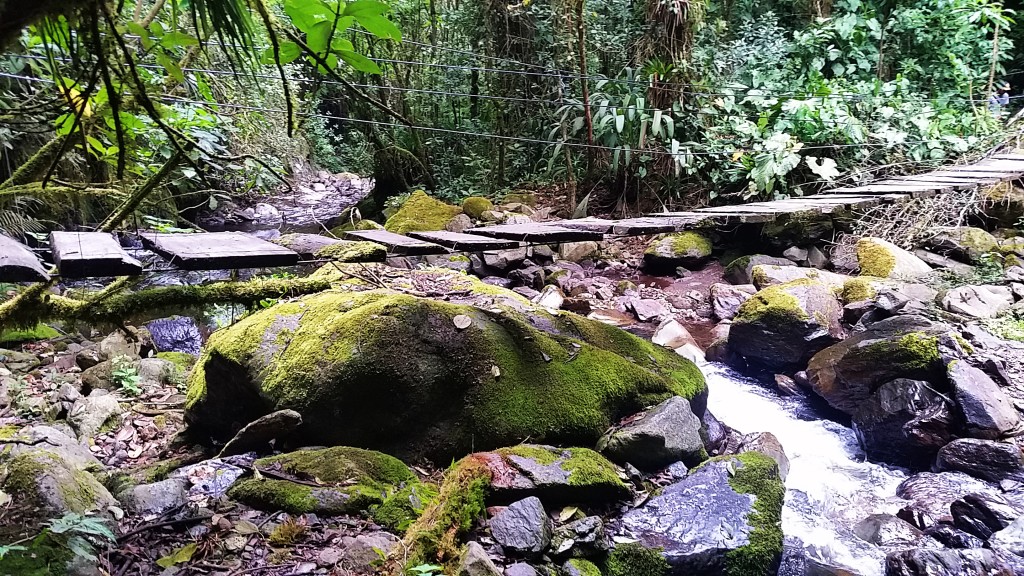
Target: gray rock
x=938, y=562
x=886, y=530
x=151, y=500
x=1010, y=538
x=931, y=494
x=117, y=344
x=585, y=536
x=984, y=514
x=764, y=275
x=668, y=433
x=726, y=299
x=647, y=309
x=550, y=297
x=505, y=259
x=256, y=435
x=985, y=459
x=98, y=376
x=88, y=357
x=741, y=270
x=46, y=486
x=32, y=438
x=578, y=251
x=154, y=372
x=816, y=258
x=671, y=334
x=523, y=527
x=962, y=242
x=950, y=537
x=766, y=443
x=881, y=258
x=89, y=415
x=978, y=301
x=987, y=411
x=306, y=245
x=940, y=261
x=520, y=569
x=905, y=422
x=795, y=254
x=475, y=562
x=460, y=223
x=363, y=553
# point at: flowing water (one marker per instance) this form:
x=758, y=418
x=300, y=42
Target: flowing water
x=830, y=486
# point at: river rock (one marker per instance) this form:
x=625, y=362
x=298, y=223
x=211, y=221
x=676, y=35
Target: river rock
x=886, y=530
x=931, y=494
x=555, y=475
x=782, y=326
x=578, y=251
x=904, y=422
x=765, y=275
x=978, y=301
x=987, y=411
x=983, y=514
x=520, y=569
x=421, y=213
x=883, y=259
x=1010, y=539
x=704, y=524
x=474, y=206
x=765, y=443
x=667, y=252
x=985, y=459
x=579, y=567
x=45, y=486
x=362, y=554
x=93, y=413
x=741, y=270
x=475, y=562
x=551, y=297
x=673, y=335
x=726, y=299
x=176, y=334
x=667, y=433
x=951, y=537
x=584, y=536
x=523, y=527
x=647, y=309
x=964, y=243
x=256, y=435
x=396, y=372
x=118, y=344
x=938, y=562
x=152, y=500
x=32, y=438
x=459, y=224
x=945, y=262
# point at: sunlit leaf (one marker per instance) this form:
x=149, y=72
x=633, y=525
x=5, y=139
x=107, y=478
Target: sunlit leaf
x=359, y=62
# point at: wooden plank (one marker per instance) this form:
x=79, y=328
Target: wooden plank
x=464, y=242
x=590, y=224
x=535, y=232
x=644, y=226
x=218, y=251
x=916, y=192
x=995, y=165
x=396, y=243
x=932, y=177
x=91, y=255
x=1015, y=157
x=967, y=173
x=18, y=263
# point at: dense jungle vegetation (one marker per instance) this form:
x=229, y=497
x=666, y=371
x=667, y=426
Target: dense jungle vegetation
x=638, y=104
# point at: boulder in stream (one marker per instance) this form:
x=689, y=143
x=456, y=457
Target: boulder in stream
x=667, y=433
x=939, y=562
x=986, y=459
x=670, y=251
x=883, y=259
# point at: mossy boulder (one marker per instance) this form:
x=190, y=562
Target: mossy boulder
x=742, y=491
x=883, y=259
x=39, y=332
x=741, y=270
x=668, y=252
x=345, y=251
x=475, y=206
x=522, y=197
x=340, y=230
x=332, y=481
x=782, y=326
x=397, y=373
x=421, y=213
x=963, y=243
x=862, y=288
x=765, y=275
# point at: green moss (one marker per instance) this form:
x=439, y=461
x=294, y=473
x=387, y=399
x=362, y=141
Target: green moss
x=39, y=332
x=913, y=352
x=680, y=245
x=43, y=558
x=977, y=241
x=636, y=560
x=758, y=475
x=182, y=360
x=402, y=508
x=474, y=206
x=76, y=488
x=623, y=286
x=740, y=263
x=773, y=304
x=581, y=567
x=339, y=231
x=963, y=343
x=276, y=494
x=525, y=198
x=8, y=431
x=458, y=258
x=874, y=258
x=421, y=213
x=353, y=252
x=585, y=467
x=858, y=290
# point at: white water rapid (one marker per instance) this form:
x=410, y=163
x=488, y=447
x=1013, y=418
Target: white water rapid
x=830, y=486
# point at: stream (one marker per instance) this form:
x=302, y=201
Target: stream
x=830, y=486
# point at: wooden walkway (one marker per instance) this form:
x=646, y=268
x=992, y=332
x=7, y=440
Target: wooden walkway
x=96, y=254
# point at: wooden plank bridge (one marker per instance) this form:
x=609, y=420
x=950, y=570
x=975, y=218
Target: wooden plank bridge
x=97, y=254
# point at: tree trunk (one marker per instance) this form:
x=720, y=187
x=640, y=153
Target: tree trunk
x=995, y=61
x=581, y=41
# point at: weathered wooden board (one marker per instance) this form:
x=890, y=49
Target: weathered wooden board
x=218, y=251
x=659, y=224
x=930, y=177
x=536, y=233
x=590, y=224
x=91, y=255
x=464, y=242
x=915, y=191
x=1015, y=157
x=952, y=182
x=966, y=173
x=18, y=263
x=396, y=243
x=995, y=165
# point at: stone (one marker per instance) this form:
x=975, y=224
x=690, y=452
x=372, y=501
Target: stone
x=904, y=422
x=98, y=377
x=886, y=530
x=93, y=413
x=883, y=259
x=987, y=411
x=795, y=254
x=741, y=270
x=766, y=443
x=579, y=567
x=985, y=459
x=551, y=297
x=585, y=536
x=475, y=562
x=686, y=249
x=362, y=554
x=1010, y=538
x=945, y=262
x=45, y=486
x=154, y=372
x=978, y=301
x=31, y=438
x=421, y=213
x=816, y=258
x=932, y=493
x=984, y=514
x=950, y=537
x=648, y=309
x=726, y=299
x=520, y=569
x=523, y=527
x=474, y=206
x=671, y=334
x=152, y=500
x=765, y=275
x=504, y=260
x=306, y=245
x=578, y=251
x=555, y=475
x=781, y=327
x=256, y=435
x=786, y=385
x=88, y=357
x=964, y=243
x=929, y=561
x=176, y=334
x=459, y=224
x=118, y=344
x=704, y=522
x=667, y=433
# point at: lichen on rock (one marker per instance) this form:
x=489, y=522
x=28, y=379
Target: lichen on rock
x=474, y=206
x=344, y=251
x=678, y=249
x=421, y=213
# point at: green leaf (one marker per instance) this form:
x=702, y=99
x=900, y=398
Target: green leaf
x=178, y=39
x=359, y=62
x=318, y=36
x=307, y=13
x=361, y=7
x=338, y=44
x=179, y=556
x=171, y=66
x=379, y=26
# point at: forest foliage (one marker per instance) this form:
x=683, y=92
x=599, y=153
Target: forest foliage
x=647, y=102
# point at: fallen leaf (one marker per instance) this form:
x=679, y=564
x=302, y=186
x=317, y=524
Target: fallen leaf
x=179, y=556
x=462, y=321
x=565, y=545
x=495, y=371
x=245, y=527
x=567, y=513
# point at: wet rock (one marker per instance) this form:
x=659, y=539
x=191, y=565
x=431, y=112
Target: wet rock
x=886, y=530
x=578, y=251
x=904, y=422
x=671, y=334
x=978, y=301
x=584, y=536
x=766, y=443
x=647, y=309
x=1010, y=538
x=782, y=326
x=985, y=459
x=687, y=249
x=475, y=562
x=703, y=521
x=555, y=475
x=786, y=385
x=520, y=569
x=726, y=299
x=667, y=433
x=983, y=514
x=362, y=554
x=741, y=270
x=714, y=432
x=951, y=537
x=987, y=411
x=176, y=334
x=256, y=435
x=93, y=413
x=931, y=494
x=964, y=243
x=151, y=500
x=523, y=527
x=883, y=259
x=938, y=562
x=766, y=275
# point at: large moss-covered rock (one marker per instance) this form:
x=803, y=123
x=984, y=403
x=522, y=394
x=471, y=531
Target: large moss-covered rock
x=883, y=259
x=345, y=251
x=741, y=270
x=765, y=275
x=398, y=373
x=964, y=243
x=474, y=206
x=421, y=213
x=679, y=249
x=782, y=326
